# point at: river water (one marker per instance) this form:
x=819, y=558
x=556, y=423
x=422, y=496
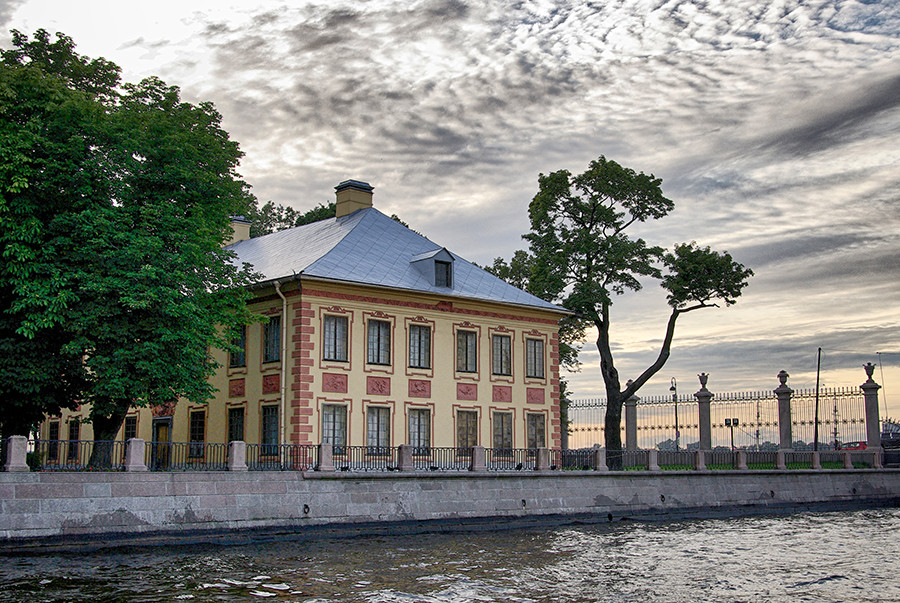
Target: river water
x=842, y=556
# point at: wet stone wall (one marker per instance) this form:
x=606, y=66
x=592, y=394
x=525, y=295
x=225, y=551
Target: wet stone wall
x=95, y=505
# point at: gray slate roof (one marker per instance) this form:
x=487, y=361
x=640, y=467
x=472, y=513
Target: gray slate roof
x=369, y=248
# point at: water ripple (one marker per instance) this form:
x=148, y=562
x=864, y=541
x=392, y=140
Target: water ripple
x=803, y=557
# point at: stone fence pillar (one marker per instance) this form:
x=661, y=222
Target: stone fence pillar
x=542, y=462
x=16, y=454
x=783, y=393
x=631, y=442
x=598, y=459
x=326, y=458
x=405, y=458
x=741, y=460
x=134, y=455
x=653, y=460
x=703, y=399
x=870, y=393
x=478, y=459
x=237, y=456
x=699, y=460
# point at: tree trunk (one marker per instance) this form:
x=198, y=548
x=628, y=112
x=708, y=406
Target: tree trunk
x=105, y=429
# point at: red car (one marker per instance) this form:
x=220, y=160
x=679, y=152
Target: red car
x=853, y=446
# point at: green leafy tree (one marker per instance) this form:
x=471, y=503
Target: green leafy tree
x=114, y=207
x=582, y=256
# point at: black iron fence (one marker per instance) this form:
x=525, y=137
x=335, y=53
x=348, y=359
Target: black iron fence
x=841, y=418
x=64, y=455
x=441, y=459
x=282, y=457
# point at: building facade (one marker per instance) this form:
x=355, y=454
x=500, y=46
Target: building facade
x=371, y=335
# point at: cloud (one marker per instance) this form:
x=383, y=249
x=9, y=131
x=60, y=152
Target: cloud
x=774, y=126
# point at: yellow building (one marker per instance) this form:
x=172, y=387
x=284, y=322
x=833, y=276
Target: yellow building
x=375, y=336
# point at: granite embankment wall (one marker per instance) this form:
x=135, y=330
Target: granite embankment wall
x=46, y=510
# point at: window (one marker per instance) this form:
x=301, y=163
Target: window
x=420, y=430
x=74, y=432
x=466, y=352
x=536, y=425
x=534, y=358
x=502, y=355
x=334, y=426
x=334, y=346
x=503, y=433
x=53, y=440
x=197, y=433
x=379, y=344
x=236, y=424
x=130, y=429
x=378, y=429
x=466, y=428
x=443, y=274
x=238, y=358
x=419, y=346
x=272, y=340
x=269, y=433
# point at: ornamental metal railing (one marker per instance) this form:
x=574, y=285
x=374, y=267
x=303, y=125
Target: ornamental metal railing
x=84, y=455
x=77, y=455
x=282, y=457
x=434, y=458
x=365, y=458
x=186, y=456
x=510, y=459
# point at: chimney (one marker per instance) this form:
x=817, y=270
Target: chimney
x=240, y=230
x=351, y=196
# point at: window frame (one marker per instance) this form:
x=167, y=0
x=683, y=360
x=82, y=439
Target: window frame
x=502, y=428
x=443, y=274
x=129, y=427
x=472, y=430
x=535, y=364
x=419, y=432
x=378, y=342
x=531, y=439
x=419, y=352
x=332, y=412
x=196, y=433
x=470, y=352
x=335, y=338
x=271, y=351
x=232, y=411
x=239, y=359
x=500, y=365
x=268, y=427
x=378, y=430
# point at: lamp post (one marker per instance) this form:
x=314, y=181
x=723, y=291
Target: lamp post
x=674, y=390
x=731, y=424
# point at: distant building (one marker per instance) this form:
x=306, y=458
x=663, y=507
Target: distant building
x=375, y=336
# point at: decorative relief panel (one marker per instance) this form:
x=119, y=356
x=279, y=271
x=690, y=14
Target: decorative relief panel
x=466, y=391
x=236, y=388
x=419, y=388
x=271, y=384
x=502, y=393
x=378, y=386
x=164, y=410
x=534, y=395
x=335, y=383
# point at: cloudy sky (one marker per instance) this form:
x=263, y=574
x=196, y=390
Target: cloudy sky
x=775, y=126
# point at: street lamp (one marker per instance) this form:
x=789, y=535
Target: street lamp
x=674, y=390
x=731, y=424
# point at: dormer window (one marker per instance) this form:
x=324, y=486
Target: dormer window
x=436, y=266
x=443, y=274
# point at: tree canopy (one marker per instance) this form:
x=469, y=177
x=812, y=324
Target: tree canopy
x=582, y=255
x=115, y=203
